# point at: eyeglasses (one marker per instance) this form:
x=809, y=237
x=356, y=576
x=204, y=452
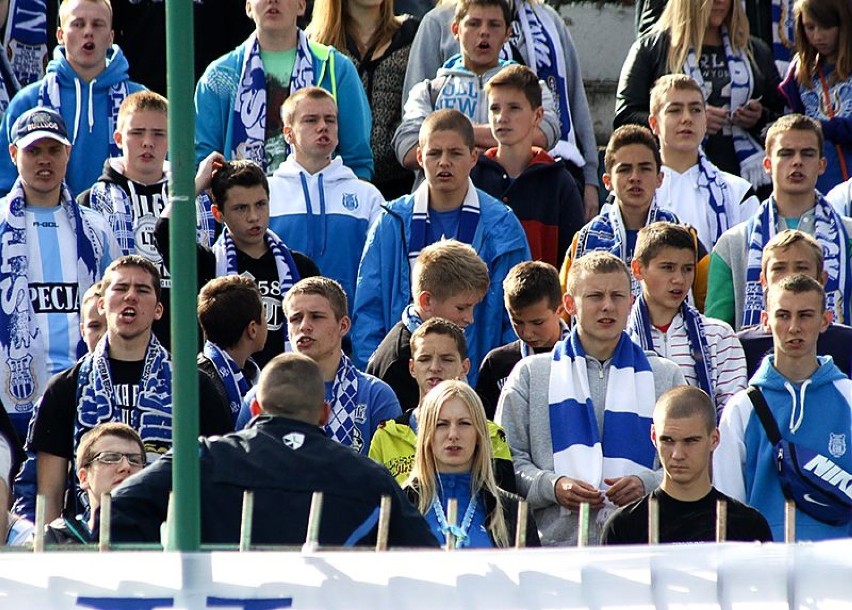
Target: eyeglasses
x=115, y=457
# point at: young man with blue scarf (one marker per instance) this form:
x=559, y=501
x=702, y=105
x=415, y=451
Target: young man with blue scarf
x=577, y=419
x=794, y=146
x=238, y=98
x=85, y=82
x=127, y=378
x=52, y=250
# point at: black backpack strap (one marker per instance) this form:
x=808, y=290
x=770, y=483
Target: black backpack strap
x=764, y=414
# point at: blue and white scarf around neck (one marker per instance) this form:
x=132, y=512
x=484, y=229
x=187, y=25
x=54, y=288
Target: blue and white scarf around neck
x=115, y=202
x=546, y=57
x=237, y=384
x=639, y=329
x=419, y=231
x=607, y=232
x=97, y=402
x=722, y=206
x=579, y=452
x=225, y=251
x=49, y=96
x=749, y=152
x=23, y=350
x=248, y=124
x=831, y=235
x=344, y=404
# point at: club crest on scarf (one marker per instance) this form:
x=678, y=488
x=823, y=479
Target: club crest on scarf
x=25, y=41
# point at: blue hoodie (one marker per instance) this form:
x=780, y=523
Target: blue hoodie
x=816, y=414
x=86, y=111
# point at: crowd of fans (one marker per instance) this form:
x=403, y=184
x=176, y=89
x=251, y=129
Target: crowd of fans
x=407, y=286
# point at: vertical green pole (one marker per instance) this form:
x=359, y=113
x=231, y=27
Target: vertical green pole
x=185, y=531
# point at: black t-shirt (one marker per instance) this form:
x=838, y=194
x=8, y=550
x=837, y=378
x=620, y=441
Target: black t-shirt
x=719, y=147
x=494, y=371
x=390, y=364
x=262, y=270
x=685, y=521
x=53, y=430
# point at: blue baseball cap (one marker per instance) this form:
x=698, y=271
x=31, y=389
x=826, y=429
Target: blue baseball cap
x=38, y=123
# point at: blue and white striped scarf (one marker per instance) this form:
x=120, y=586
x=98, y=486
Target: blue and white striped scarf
x=546, y=58
x=23, y=351
x=749, y=152
x=639, y=329
x=579, y=452
x=152, y=415
x=722, y=205
x=115, y=203
x=606, y=231
x=419, y=231
x=49, y=96
x=288, y=274
x=237, y=384
x=831, y=235
x=343, y=400
x=25, y=42
x=248, y=126
x=783, y=33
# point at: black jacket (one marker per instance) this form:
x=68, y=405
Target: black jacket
x=510, y=513
x=390, y=364
x=283, y=461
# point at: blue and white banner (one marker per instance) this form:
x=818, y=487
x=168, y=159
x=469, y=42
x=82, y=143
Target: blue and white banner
x=26, y=39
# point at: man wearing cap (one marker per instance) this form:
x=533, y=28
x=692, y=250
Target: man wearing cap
x=51, y=252
x=85, y=82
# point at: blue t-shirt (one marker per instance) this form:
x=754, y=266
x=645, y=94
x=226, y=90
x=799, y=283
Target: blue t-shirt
x=458, y=486
x=444, y=225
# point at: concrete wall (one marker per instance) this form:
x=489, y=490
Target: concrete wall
x=602, y=34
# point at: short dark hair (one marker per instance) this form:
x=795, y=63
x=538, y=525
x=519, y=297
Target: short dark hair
x=797, y=284
x=448, y=119
x=291, y=385
x=325, y=287
x=528, y=283
x=797, y=122
x=85, y=452
x=133, y=260
x=627, y=135
x=518, y=77
x=440, y=326
x=658, y=235
x=687, y=401
x=240, y=172
x=226, y=306
x=463, y=8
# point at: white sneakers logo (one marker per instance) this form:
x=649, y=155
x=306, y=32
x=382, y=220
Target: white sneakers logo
x=294, y=440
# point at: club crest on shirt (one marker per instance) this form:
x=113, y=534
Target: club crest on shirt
x=293, y=440
x=350, y=201
x=836, y=444
x=21, y=384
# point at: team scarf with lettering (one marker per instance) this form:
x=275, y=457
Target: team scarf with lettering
x=639, y=329
x=23, y=349
x=722, y=206
x=225, y=251
x=419, y=231
x=25, y=41
x=546, y=57
x=579, y=452
x=115, y=202
x=783, y=33
x=97, y=402
x=343, y=400
x=829, y=233
x=49, y=96
x=749, y=152
x=607, y=232
x=237, y=382
x=564, y=330
x=248, y=124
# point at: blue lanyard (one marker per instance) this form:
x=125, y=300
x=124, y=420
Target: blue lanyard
x=460, y=533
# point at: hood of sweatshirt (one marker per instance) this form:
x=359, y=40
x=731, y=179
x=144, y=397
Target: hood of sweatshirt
x=115, y=71
x=768, y=379
x=454, y=66
x=331, y=173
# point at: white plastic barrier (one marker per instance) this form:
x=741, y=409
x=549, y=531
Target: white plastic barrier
x=732, y=575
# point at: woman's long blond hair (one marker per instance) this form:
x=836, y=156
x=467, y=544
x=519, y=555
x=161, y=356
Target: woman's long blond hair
x=330, y=24
x=424, y=473
x=686, y=21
